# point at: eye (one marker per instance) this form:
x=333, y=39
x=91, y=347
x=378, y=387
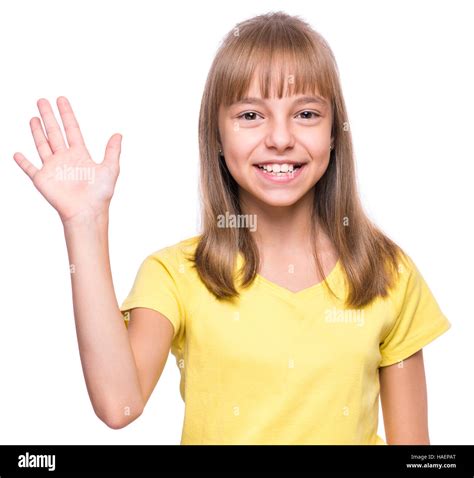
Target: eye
x=317, y=115
x=247, y=113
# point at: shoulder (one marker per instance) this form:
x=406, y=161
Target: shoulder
x=410, y=292
x=407, y=276
x=176, y=257
x=417, y=318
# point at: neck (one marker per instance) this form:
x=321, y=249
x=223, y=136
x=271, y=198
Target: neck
x=284, y=229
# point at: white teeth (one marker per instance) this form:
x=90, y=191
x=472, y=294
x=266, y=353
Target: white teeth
x=277, y=168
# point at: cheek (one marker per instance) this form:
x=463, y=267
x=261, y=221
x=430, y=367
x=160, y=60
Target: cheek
x=241, y=142
x=317, y=145
x=238, y=152
x=237, y=165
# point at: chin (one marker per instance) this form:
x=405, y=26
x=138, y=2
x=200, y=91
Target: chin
x=280, y=198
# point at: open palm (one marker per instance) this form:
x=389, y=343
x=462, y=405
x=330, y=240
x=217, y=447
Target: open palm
x=69, y=179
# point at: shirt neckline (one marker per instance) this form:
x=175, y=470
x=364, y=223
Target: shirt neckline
x=331, y=278
x=315, y=288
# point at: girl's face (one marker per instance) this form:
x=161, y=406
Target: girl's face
x=290, y=136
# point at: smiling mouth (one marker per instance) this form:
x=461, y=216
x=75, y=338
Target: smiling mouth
x=279, y=173
x=275, y=169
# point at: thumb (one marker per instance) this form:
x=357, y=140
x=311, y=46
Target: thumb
x=24, y=164
x=113, y=149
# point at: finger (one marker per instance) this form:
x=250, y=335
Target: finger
x=113, y=149
x=53, y=132
x=41, y=142
x=71, y=126
x=24, y=164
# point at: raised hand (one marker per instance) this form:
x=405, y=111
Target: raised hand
x=70, y=180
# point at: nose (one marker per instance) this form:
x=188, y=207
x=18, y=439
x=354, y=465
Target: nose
x=279, y=135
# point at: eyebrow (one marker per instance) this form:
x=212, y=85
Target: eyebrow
x=298, y=101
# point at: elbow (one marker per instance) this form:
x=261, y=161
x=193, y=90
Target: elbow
x=414, y=438
x=122, y=418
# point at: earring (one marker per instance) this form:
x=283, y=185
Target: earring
x=220, y=151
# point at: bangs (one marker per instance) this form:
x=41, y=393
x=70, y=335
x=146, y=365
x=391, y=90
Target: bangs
x=285, y=62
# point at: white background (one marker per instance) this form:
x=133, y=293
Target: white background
x=139, y=68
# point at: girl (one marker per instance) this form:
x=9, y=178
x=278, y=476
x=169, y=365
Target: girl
x=291, y=311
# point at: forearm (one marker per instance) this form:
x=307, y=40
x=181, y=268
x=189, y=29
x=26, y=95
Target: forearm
x=404, y=402
x=106, y=354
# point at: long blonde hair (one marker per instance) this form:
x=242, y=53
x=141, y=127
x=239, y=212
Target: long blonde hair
x=279, y=47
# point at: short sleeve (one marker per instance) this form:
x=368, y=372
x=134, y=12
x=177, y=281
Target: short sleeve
x=155, y=287
x=419, y=319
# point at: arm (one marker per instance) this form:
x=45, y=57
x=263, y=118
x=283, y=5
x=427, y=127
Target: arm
x=150, y=334
x=105, y=350
x=404, y=401
x=120, y=367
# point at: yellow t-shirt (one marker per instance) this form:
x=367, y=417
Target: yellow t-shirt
x=282, y=367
